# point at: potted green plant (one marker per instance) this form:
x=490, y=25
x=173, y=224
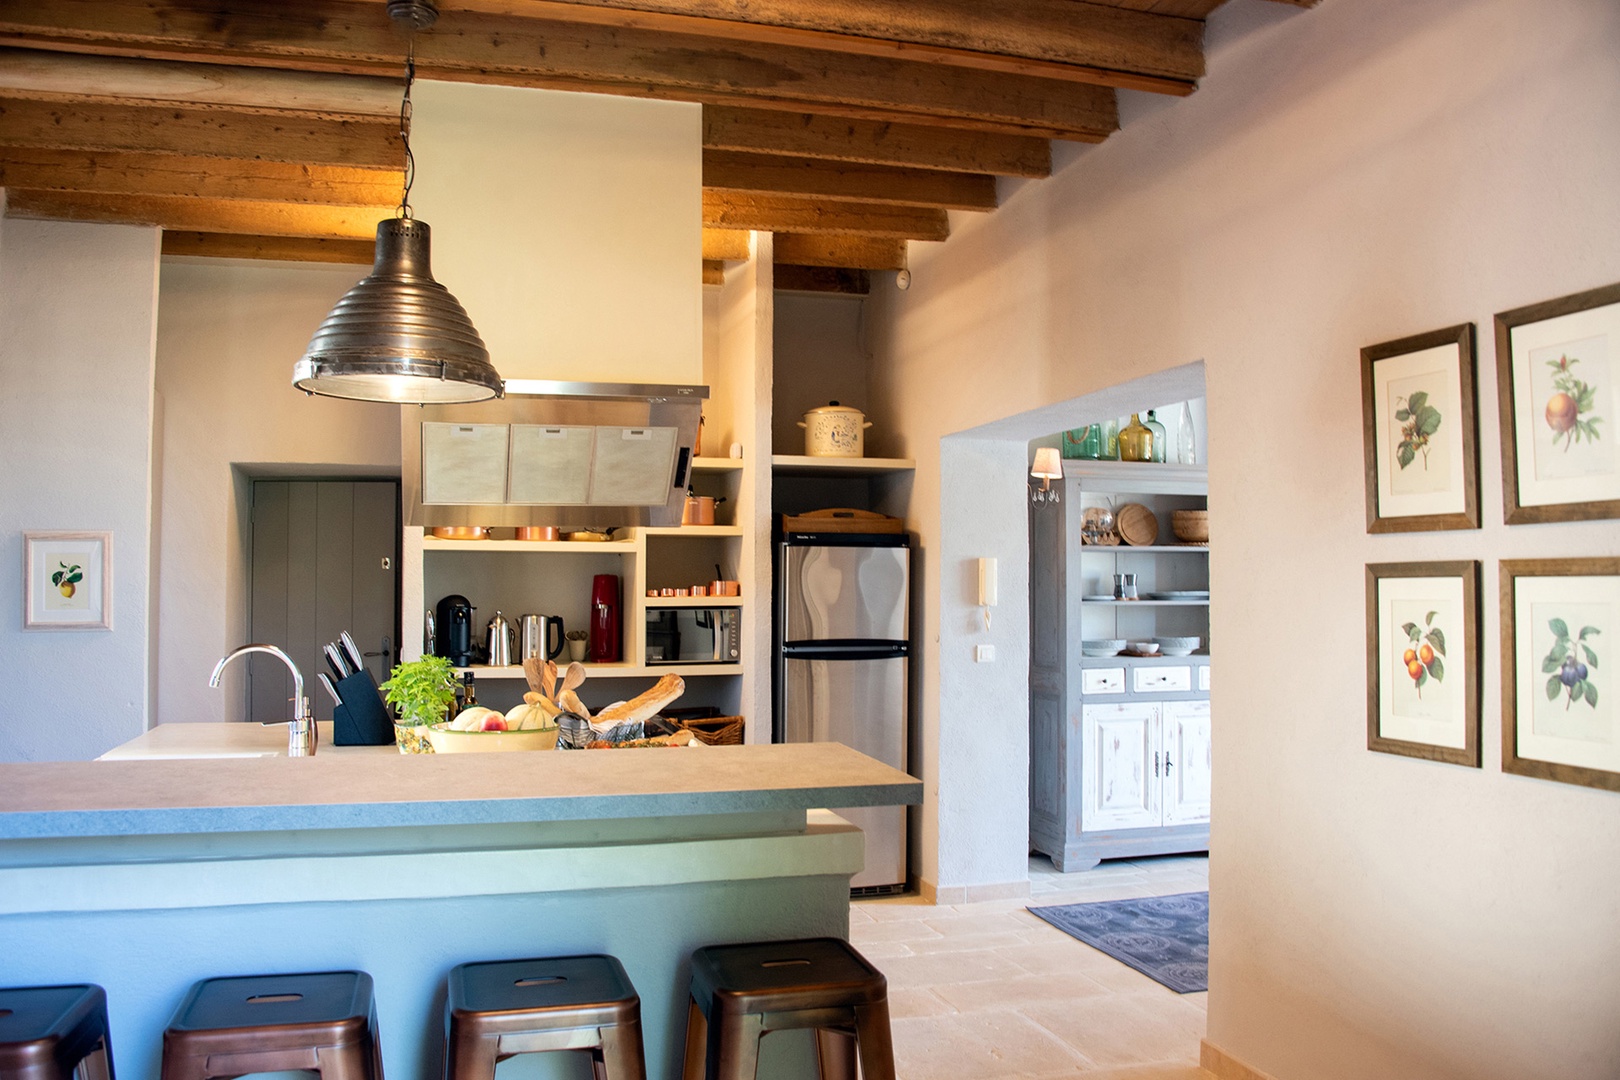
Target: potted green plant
x=420, y=693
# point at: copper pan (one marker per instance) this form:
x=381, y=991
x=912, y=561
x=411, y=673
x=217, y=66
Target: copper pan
x=461, y=532
x=539, y=532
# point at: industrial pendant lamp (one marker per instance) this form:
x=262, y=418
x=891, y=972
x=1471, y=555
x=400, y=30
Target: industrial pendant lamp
x=399, y=336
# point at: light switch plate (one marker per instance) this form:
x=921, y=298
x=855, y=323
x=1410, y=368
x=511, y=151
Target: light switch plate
x=984, y=654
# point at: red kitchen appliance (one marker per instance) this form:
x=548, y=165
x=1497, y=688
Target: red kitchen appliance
x=607, y=638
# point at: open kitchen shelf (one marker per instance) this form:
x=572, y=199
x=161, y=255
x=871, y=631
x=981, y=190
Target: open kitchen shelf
x=572, y=547
x=803, y=465
x=692, y=601
x=716, y=464
x=605, y=671
x=693, y=530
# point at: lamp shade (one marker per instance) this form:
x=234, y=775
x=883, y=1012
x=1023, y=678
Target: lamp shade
x=398, y=335
x=1048, y=466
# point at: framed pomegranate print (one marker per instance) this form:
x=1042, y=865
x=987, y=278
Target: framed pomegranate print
x=1556, y=366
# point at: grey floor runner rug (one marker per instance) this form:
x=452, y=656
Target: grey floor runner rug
x=1166, y=938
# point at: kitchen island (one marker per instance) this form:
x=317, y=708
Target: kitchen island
x=145, y=875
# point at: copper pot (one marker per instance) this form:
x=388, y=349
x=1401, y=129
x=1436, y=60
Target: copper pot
x=461, y=532
x=539, y=532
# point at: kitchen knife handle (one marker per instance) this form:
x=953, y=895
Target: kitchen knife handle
x=331, y=690
x=351, y=650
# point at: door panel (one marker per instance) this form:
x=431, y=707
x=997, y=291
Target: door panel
x=860, y=703
x=323, y=561
x=1119, y=788
x=1188, y=762
x=833, y=593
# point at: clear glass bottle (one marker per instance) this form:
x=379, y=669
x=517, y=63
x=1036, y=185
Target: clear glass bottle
x=1157, y=428
x=1136, y=441
x=1186, y=438
x=1110, y=441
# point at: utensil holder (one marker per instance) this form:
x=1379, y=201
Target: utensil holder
x=362, y=719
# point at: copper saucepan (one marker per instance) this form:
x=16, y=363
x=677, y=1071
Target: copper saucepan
x=461, y=532
x=539, y=532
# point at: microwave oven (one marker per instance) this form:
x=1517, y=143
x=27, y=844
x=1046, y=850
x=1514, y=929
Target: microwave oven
x=694, y=635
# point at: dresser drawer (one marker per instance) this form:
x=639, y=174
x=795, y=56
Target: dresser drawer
x=1161, y=680
x=1106, y=680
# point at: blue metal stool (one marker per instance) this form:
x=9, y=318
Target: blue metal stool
x=324, y=1022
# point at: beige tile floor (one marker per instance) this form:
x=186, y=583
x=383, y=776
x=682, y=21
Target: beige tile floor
x=988, y=991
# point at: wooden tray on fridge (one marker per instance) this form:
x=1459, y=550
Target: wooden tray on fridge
x=842, y=520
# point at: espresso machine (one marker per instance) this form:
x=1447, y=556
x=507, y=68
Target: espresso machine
x=454, y=630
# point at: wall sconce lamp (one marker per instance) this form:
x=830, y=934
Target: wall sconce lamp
x=1047, y=468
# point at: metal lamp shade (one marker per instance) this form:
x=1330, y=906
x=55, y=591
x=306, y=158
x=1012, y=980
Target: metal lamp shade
x=399, y=336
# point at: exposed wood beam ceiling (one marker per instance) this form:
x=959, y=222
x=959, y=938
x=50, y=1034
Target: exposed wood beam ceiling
x=260, y=129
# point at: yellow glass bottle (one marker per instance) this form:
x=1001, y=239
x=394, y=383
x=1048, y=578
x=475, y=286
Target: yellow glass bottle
x=1136, y=441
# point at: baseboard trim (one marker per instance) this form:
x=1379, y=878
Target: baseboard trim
x=1223, y=1066
x=971, y=894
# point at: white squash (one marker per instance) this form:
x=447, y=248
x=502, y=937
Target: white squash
x=535, y=713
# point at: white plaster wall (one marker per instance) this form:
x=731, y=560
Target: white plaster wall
x=569, y=226
x=76, y=326
x=228, y=334
x=1345, y=175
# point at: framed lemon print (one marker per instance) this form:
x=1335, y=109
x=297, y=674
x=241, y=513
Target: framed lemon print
x=67, y=581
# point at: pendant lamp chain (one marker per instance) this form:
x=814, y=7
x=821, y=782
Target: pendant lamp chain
x=404, y=210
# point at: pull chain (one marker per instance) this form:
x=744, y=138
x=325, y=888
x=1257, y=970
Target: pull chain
x=404, y=210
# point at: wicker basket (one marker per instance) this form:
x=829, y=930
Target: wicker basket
x=716, y=730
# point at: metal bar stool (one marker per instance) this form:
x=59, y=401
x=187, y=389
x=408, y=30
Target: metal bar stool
x=504, y=1008
x=741, y=993
x=54, y=1033
x=325, y=1022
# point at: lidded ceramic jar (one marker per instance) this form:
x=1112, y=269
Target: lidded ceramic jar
x=834, y=430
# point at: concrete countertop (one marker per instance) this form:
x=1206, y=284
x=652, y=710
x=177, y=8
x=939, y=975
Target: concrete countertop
x=365, y=787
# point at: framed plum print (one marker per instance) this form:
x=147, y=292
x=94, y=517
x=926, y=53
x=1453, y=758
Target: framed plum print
x=1556, y=367
x=1420, y=432
x=67, y=581
x=1423, y=660
x=1560, y=630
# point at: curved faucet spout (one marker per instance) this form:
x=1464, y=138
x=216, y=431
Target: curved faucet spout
x=301, y=729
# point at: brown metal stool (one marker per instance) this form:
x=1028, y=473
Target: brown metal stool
x=54, y=1033
x=504, y=1008
x=325, y=1022
x=741, y=993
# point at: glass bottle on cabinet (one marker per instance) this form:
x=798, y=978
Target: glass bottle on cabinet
x=1157, y=428
x=1136, y=441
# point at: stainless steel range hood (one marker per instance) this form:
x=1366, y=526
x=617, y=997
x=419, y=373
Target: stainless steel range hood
x=553, y=453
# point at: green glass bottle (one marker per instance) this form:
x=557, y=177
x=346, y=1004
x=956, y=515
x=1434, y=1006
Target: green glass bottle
x=1136, y=441
x=1157, y=428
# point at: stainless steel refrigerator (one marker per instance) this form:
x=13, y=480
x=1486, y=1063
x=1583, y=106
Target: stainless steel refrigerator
x=842, y=657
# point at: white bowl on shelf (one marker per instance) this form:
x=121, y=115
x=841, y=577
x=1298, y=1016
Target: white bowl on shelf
x=1178, y=646
x=1102, y=647
x=1146, y=648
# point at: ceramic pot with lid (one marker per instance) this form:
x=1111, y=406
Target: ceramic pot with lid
x=834, y=430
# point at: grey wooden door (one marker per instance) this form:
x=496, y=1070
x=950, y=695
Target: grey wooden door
x=325, y=559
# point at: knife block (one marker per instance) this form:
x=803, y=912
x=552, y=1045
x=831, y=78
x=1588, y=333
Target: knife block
x=362, y=719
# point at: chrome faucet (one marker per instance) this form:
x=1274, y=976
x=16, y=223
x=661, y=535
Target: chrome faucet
x=302, y=735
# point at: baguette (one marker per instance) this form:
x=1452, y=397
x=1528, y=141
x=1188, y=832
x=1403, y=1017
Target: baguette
x=647, y=705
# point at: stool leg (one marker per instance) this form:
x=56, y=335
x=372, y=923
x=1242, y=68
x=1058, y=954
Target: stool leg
x=835, y=1053
x=349, y=1063
x=180, y=1066
x=97, y=1064
x=622, y=1057
x=875, y=1040
x=734, y=1046
x=467, y=1057
x=697, y=1042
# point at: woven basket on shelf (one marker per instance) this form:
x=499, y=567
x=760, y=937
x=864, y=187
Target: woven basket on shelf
x=1136, y=524
x=716, y=730
x=1190, y=526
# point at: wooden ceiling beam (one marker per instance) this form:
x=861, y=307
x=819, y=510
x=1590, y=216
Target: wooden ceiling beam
x=714, y=272
x=787, y=277
x=117, y=172
x=837, y=138
x=1061, y=39
x=277, y=248
x=772, y=174
x=786, y=214
x=185, y=214
x=853, y=252
x=355, y=38
x=725, y=245
x=201, y=132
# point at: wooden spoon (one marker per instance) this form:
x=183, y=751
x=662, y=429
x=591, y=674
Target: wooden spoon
x=573, y=679
x=549, y=675
x=533, y=671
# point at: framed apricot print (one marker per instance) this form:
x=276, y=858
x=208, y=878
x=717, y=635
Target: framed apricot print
x=1560, y=626
x=1420, y=432
x=1423, y=660
x=1556, y=366
x=67, y=581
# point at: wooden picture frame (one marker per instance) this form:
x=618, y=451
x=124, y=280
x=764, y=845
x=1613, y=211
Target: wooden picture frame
x=1560, y=618
x=1422, y=459
x=1556, y=366
x=67, y=581
x=1423, y=660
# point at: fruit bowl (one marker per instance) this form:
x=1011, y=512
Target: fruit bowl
x=1102, y=647
x=1177, y=646
x=446, y=741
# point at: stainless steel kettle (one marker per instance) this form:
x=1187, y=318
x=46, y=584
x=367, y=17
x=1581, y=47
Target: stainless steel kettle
x=502, y=641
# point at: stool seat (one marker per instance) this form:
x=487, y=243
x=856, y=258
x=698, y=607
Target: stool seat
x=499, y=1009
x=46, y=1032
x=325, y=1022
x=740, y=993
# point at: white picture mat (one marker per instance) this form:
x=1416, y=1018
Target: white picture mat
x=1439, y=715
x=1592, y=469
x=1547, y=730
x=1437, y=370
x=45, y=606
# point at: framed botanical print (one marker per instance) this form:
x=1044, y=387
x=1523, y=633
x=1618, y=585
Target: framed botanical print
x=67, y=581
x=1423, y=660
x=1556, y=366
x=1420, y=432
x=1560, y=627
